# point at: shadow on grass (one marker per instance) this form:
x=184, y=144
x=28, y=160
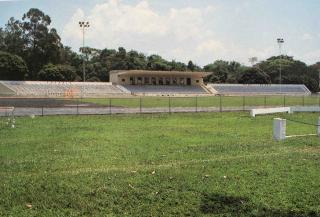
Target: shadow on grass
x=219, y=204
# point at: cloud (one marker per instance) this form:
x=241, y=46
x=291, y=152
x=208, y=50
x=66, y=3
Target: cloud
x=71, y=32
x=210, y=9
x=180, y=33
x=311, y=57
x=176, y=33
x=307, y=37
x=262, y=53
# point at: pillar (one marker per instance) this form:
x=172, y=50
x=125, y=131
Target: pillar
x=279, y=129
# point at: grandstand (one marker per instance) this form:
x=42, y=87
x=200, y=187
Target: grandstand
x=165, y=90
x=259, y=89
x=59, y=89
x=6, y=91
x=105, y=89
x=160, y=83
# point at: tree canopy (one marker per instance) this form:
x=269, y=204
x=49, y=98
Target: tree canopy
x=52, y=72
x=12, y=67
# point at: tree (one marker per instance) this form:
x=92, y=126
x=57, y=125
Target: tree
x=254, y=76
x=293, y=71
x=191, y=66
x=177, y=66
x=2, y=40
x=43, y=44
x=315, y=71
x=235, y=70
x=13, y=40
x=156, y=62
x=93, y=79
x=224, y=71
x=12, y=67
x=52, y=72
x=136, y=60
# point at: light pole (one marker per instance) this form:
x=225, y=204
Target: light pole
x=253, y=60
x=83, y=25
x=280, y=42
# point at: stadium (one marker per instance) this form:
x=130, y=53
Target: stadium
x=141, y=91
x=111, y=132
x=158, y=143
x=148, y=83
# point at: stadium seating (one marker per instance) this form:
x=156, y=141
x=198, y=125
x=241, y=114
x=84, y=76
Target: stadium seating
x=5, y=91
x=100, y=89
x=257, y=89
x=61, y=89
x=165, y=89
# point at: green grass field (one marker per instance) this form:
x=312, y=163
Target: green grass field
x=195, y=164
x=212, y=101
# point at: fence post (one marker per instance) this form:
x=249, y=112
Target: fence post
x=140, y=104
x=77, y=106
x=42, y=110
x=265, y=101
x=284, y=100
x=109, y=106
x=279, y=129
x=169, y=105
x=220, y=104
x=196, y=103
x=243, y=103
x=318, y=128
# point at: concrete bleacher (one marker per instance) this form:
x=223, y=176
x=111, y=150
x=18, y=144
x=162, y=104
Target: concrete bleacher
x=60, y=89
x=260, y=89
x=165, y=89
x=6, y=91
x=101, y=89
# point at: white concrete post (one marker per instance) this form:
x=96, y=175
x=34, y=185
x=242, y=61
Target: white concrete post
x=279, y=129
x=318, y=127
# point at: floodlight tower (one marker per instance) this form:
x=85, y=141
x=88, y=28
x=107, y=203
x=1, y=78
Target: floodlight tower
x=83, y=25
x=253, y=60
x=280, y=41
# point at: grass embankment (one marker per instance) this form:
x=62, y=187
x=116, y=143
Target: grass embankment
x=208, y=164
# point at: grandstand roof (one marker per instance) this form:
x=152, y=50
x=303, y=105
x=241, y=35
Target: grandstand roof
x=145, y=72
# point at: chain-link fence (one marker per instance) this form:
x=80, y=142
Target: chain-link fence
x=77, y=106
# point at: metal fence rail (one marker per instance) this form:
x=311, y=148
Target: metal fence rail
x=77, y=106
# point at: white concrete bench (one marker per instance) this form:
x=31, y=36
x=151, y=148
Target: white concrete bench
x=261, y=111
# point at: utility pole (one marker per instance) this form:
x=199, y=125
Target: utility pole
x=83, y=25
x=280, y=42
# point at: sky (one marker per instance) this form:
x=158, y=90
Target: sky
x=199, y=30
